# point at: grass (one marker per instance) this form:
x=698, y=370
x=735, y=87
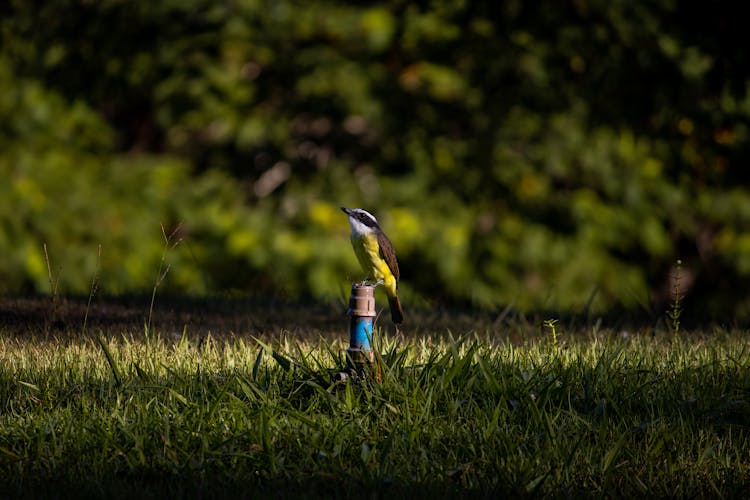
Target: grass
x=225, y=415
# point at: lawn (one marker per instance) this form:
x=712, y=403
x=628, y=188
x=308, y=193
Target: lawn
x=224, y=407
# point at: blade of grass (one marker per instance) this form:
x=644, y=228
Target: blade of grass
x=110, y=360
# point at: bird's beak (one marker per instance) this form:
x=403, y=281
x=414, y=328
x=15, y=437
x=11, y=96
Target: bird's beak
x=346, y=210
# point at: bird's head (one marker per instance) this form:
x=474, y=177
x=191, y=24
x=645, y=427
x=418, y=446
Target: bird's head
x=361, y=221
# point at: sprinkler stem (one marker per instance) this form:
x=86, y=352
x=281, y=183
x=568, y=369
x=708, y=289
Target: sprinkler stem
x=359, y=354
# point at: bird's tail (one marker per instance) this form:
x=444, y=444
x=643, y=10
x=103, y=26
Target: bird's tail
x=397, y=313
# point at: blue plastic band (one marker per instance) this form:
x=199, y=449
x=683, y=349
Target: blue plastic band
x=360, y=332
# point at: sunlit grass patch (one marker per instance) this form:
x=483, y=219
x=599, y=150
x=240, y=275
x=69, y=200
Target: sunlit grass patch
x=469, y=415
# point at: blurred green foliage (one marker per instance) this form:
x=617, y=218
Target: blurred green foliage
x=551, y=155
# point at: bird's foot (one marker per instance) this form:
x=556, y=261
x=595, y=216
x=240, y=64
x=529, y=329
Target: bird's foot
x=369, y=282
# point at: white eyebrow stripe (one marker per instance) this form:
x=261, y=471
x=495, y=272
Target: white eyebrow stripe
x=368, y=214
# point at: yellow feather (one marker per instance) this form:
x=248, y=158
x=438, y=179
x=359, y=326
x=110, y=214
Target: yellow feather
x=368, y=253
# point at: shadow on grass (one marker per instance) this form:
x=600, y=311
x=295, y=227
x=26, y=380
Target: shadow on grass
x=316, y=485
x=41, y=316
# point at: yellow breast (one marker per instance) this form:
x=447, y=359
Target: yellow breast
x=368, y=253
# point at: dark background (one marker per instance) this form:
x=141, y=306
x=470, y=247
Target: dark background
x=556, y=155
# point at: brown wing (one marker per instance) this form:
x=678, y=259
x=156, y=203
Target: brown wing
x=388, y=254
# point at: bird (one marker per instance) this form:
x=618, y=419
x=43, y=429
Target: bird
x=375, y=254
